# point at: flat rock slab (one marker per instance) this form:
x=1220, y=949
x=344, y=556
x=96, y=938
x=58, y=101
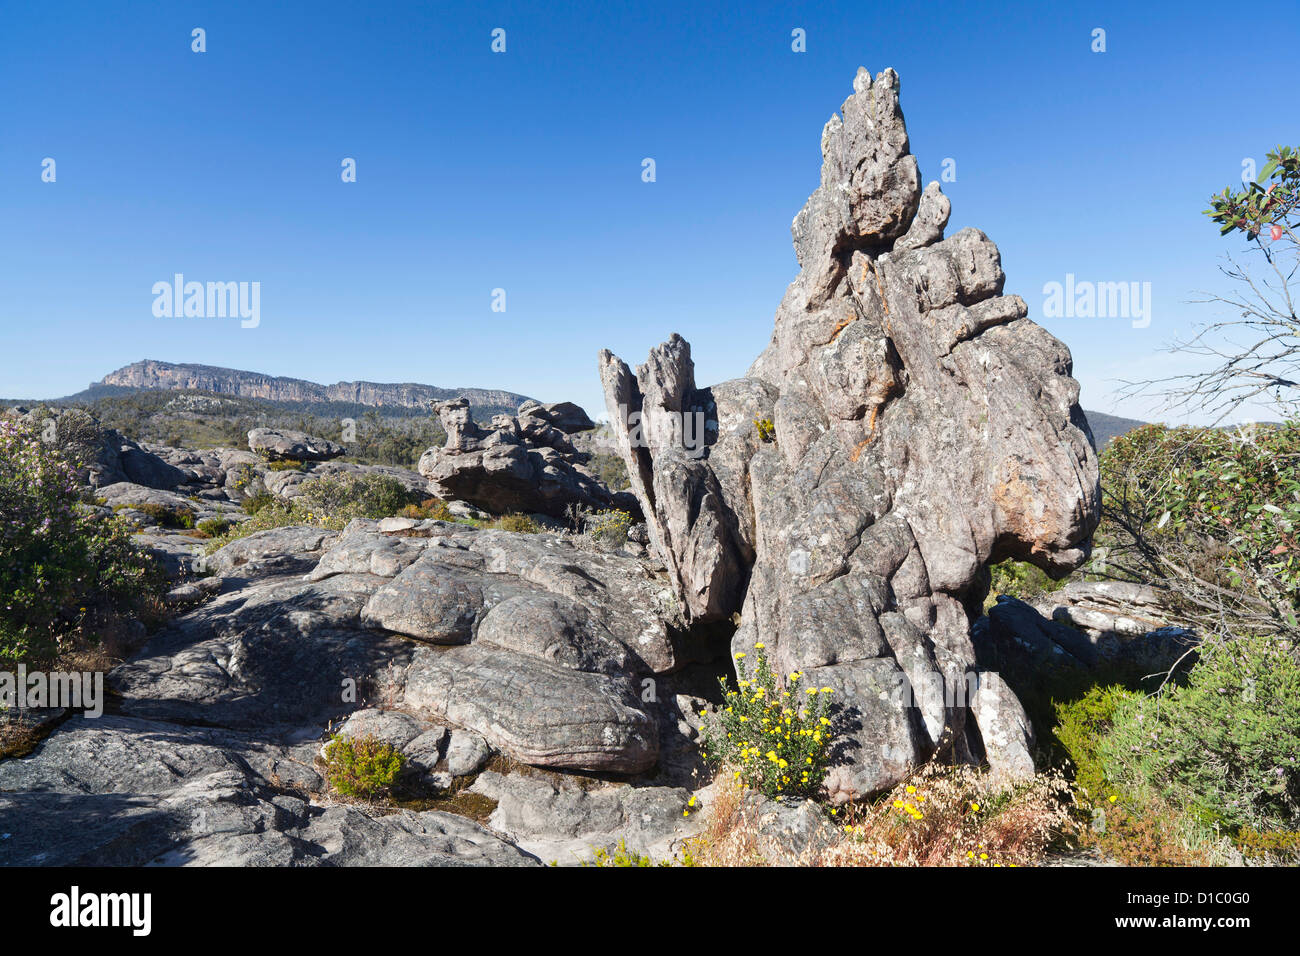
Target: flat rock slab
x=565, y=823
x=275, y=653
x=539, y=712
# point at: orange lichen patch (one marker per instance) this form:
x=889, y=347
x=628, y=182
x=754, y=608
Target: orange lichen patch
x=1021, y=503
x=840, y=327
x=871, y=434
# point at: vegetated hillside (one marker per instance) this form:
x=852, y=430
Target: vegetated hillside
x=196, y=419
x=1105, y=427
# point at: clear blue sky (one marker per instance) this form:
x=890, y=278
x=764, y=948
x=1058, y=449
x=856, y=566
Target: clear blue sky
x=522, y=171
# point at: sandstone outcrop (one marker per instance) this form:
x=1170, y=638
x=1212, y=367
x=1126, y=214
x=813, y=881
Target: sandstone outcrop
x=521, y=463
x=916, y=426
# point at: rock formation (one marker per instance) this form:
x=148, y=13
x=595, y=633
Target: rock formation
x=522, y=463
x=282, y=444
x=916, y=426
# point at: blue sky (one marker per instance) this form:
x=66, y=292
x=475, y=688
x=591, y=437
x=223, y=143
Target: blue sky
x=522, y=171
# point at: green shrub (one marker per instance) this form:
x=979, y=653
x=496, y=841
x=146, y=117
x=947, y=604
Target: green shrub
x=1081, y=726
x=60, y=564
x=285, y=464
x=766, y=429
x=621, y=856
x=340, y=498
x=611, y=470
x=165, y=515
x=329, y=502
x=1020, y=580
x=1231, y=495
x=774, y=741
x=361, y=767
x=1226, y=745
x=255, y=503
x=520, y=524
x=212, y=527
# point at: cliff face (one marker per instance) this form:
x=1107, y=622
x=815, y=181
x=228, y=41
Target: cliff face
x=227, y=381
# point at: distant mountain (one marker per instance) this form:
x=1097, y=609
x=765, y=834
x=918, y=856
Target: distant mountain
x=170, y=376
x=1105, y=427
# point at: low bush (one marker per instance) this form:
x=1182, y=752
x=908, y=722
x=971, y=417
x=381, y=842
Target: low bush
x=285, y=464
x=1081, y=727
x=520, y=524
x=431, y=508
x=328, y=502
x=364, y=767
x=255, y=503
x=165, y=515
x=340, y=498
x=1225, y=745
x=212, y=527
x=64, y=569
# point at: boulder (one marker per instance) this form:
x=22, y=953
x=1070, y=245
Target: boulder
x=916, y=426
x=275, y=444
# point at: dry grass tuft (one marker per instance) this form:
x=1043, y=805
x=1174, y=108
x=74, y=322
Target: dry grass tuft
x=940, y=816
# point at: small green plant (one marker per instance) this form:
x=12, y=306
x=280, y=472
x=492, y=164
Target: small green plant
x=621, y=856
x=285, y=464
x=212, y=527
x=1020, y=580
x=1082, y=724
x=363, y=767
x=255, y=503
x=520, y=524
x=165, y=515
x=773, y=740
x=766, y=429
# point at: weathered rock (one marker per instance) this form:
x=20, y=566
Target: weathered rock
x=289, y=550
x=273, y=654
x=921, y=428
x=565, y=823
x=467, y=753
x=540, y=712
x=522, y=464
x=1017, y=639
x=278, y=444
x=126, y=792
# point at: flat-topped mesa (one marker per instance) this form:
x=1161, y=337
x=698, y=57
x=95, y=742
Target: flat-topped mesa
x=922, y=428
